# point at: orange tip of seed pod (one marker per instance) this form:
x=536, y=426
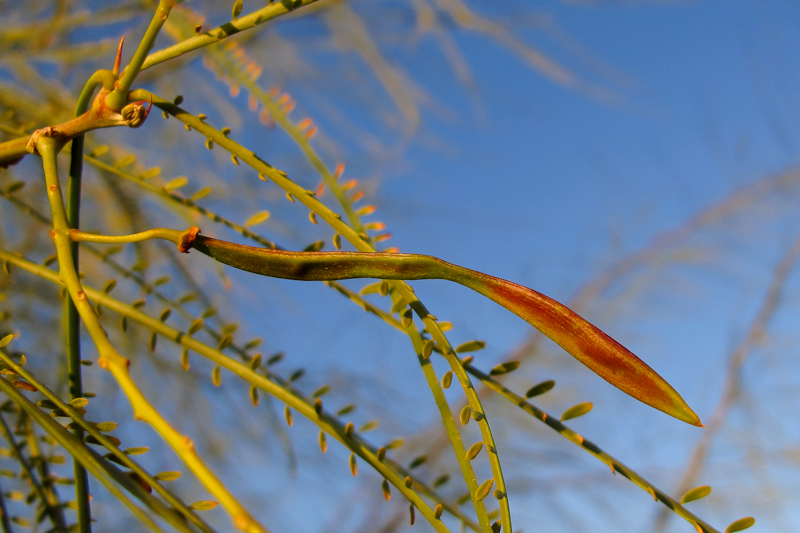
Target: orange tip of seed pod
x=264, y=116
x=320, y=189
x=339, y=171
x=252, y=102
x=303, y=124
x=234, y=90
x=392, y=250
x=275, y=91
x=381, y=238
x=311, y=132
x=357, y=196
x=283, y=99
x=349, y=185
x=367, y=210
x=288, y=107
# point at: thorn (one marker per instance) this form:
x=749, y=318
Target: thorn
x=118, y=59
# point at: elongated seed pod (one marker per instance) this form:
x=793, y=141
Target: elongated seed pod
x=587, y=343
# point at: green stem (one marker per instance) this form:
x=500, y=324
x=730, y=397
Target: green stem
x=5, y=522
x=118, y=365
x=334, y=220
x=246, y=22
x=55, y=514
x=78, y=451
x=123, y=458
x=118, y=98
x=276, y=389
x=72, y=317
x=612, y=462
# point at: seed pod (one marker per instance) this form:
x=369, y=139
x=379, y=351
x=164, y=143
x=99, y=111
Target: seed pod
x=322, y=391
x=153, y=339
x=323, y=442
x=185, y=359
x=464, y=416
x=497, y=526
x=337, y=241
x=437, y=512
x=484, y=489
x=499, y=494
x=411, y=512
x=381, y=453
x=318, y=406
x=474, y=450
x=349, y=429
x=386, y=493
x=288, y=414
x=255, y=362
x=408, y=482
x=216, y=376
x=195, y=326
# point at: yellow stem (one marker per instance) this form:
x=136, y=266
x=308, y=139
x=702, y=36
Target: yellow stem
x=115, y=363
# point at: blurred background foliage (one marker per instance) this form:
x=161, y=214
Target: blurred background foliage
x=636, y=161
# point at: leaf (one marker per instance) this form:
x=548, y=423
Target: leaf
x=322, y=391
x=237, y=9
x=372, y=424
x=540, y=388
x=504, y=368
x=216, y=376
x=576, y=410
x=177, y=183
x=695, y=494
x=5, y=340
x=474, y=450
x=347, y=409
x=168, y=475
x=396, y=443
x=447, y=379
x=151, y=173
x=741, y=524
x=204, y=505
x=470, y=346
x=24, y=385
x=418, y=461
x=105, y=427
x=79, y=402
x=125, y=161
x=14, y=187
x=138, y=450
x=202, y=193
x=484, y=489
x=464, y=416
x=258, y=218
